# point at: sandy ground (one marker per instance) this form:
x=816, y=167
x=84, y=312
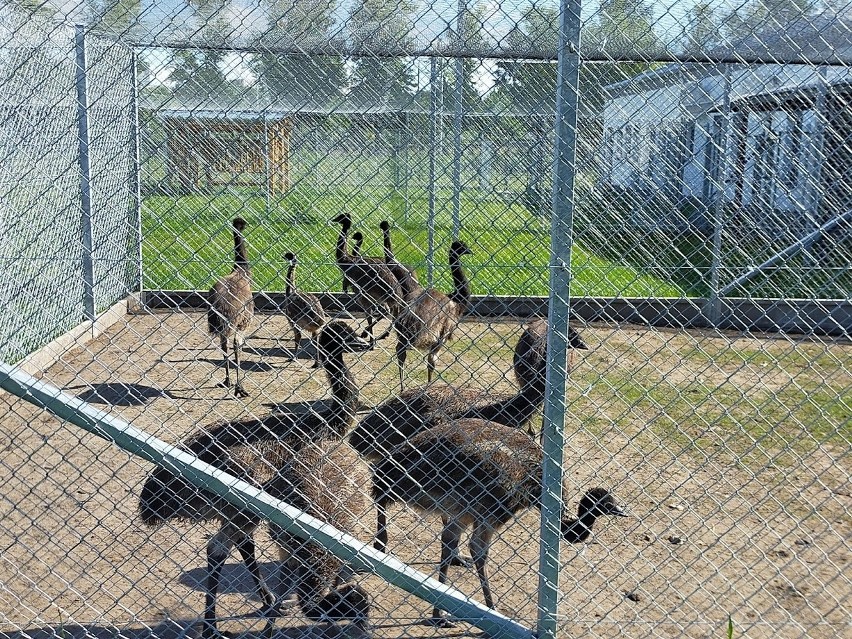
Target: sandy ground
x=712, y=535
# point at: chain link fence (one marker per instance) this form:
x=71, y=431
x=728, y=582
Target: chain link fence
x=682, y=168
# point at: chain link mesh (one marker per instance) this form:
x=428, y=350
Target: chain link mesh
x=708, y=381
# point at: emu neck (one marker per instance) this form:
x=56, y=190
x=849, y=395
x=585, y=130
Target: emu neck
x=461, y=292
x=240, y=253
x=344, y=392
x=577, y=530
x=341, y=249
x=386, y=241
x=291, y=280
x=518, y=410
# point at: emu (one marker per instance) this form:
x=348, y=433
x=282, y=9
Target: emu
x=372, y=281
x=303, y=310
x=231, y=308
x=429, y=319
x=406, y=276
x=479, y=473
x=293, y=457
x=358, y=240
x=397, y=419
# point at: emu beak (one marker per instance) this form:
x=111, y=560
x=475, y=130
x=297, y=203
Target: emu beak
x=360, y=344
x=618, y=511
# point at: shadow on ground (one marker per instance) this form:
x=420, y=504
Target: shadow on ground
x=183, y=629
x=119, y=393
x=235, y=578
x=245, y=365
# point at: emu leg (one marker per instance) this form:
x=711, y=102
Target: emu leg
x=431, y=361
x=317, y=351
x=450, y=532
x=223, y=344
x=239, y=391
x=217, y=552
x=246, y=548
x=381, y=542
x=371, y=321
x=479, y=542
x=297, y=341
x=401, y=354
x=455, y=558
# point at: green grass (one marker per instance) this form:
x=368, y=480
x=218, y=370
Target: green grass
x=761, y=402
x=187, y=243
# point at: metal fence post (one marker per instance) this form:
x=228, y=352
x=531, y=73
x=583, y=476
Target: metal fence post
x=267, y=197
x=85, y=173
x=553, y=428
x=135, y=170
x=458, y=70
x=434, y=124
x=720, y=171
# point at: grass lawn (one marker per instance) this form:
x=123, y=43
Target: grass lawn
x=187, y=243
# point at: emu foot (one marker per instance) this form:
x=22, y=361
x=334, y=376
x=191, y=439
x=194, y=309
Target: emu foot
x=458, y=560
x=438, y=621
x=226, y=383
x=239, y=391
x=279, y=608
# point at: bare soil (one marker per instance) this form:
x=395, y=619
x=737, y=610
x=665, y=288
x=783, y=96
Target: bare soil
x=715, y=531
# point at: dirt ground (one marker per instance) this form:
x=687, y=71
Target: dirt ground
x=715, y=531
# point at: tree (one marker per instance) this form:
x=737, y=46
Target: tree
x=759, y=16
x=702, y=31
x=197, y=74
x=623, y=31
x=115, y=16
x=381, y=27
x=471, y=38
x=299, y=24
x=531, y=85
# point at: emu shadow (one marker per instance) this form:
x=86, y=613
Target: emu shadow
x=250, y=366
x=182, y=629
x=120, y=393
x=306, y=352
x=235, y=579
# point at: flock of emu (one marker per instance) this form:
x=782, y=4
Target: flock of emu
x=467, y=455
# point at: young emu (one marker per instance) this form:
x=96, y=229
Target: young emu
x=302, y=309
x=475, y=472
x=406, y=276
x=372, y=281
x=231, y=308
x=358, y=239
x=294, y=457
x=429, y=319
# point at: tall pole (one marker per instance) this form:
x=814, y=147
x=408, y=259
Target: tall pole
x=458, y=71
x=434, y=125
x=561, y=239
x=719, y=177
x=85, y=174
x=136, y=168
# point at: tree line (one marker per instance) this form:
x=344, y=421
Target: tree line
x=618, y=28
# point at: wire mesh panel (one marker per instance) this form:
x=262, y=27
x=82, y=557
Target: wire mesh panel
x=43, y=146
x=359, y=223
